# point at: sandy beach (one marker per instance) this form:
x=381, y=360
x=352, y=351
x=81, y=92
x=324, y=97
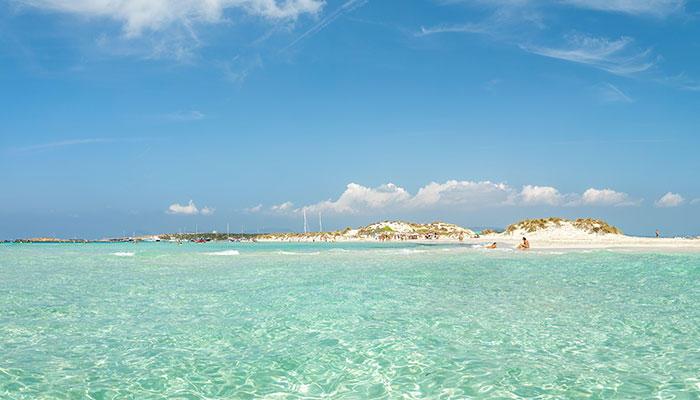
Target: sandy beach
x=544, y=234
x=622, y=243
x=597, y=243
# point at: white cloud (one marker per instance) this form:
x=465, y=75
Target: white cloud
x=513, y=20
x=613, y=94
x=658, y=8
x=192, y=115
x=189, y=209
x=681, y=81
x=635, y=7
x=695, y=202
x=67, y=143
x=453, y=194
x=346, y=7
x=362, y=199
x=522, y=22
x=255, y=209
x=287, y=206
x=464, y=28
x=463, y=193
x=154, y=15
x=540, y=195
x=357, y=198
x=238, y=68
x=614, y=56
x=64, y=143
x=179, y=209
x=207, y=211
x=670, y=200
x=506, y=21
x=606, y=197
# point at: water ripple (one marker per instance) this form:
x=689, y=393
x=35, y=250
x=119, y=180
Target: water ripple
x=77, y=322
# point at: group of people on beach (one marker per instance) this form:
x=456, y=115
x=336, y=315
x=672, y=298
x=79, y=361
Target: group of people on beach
x=525, y=245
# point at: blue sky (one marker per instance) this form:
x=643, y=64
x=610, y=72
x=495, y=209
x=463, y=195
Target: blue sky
x=158, y=116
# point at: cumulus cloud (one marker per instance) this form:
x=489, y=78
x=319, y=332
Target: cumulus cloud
x=357, y=198
x=607, y=197
x=453, y=194
x=540, y=195
x=254, y=209
x=179, y=209
x=287, y=206
x=189, y=209
x=464, y=193
x=207, y=211
x=670, y=200
x=140, y=15
x=360, y=199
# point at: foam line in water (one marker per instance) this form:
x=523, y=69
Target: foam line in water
x=407, y=251
x=224, y=253
x=123, y=254
x=291, y=253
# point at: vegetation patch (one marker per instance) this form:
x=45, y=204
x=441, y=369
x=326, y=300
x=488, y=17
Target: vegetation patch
x=590, y=225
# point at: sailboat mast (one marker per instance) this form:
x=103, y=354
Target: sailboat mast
x=305, y=224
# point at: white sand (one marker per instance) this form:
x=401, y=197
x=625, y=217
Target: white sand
x=370, y=232
x=618, y=242
x=563, y=236
x=540, y=242
x=566, y=236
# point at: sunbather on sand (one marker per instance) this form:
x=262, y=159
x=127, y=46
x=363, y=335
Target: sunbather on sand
x=524, y=245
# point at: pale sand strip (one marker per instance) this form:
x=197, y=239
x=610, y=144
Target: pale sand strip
x=540, y=242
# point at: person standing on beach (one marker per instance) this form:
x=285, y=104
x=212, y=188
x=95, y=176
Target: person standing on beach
x=657, y=233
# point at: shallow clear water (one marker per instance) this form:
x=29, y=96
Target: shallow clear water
x=345, y=321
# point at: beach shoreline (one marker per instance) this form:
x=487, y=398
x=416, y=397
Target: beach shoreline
x=618, y=243
x=542, y=234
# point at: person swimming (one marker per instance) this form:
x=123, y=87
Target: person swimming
x=493, y=246
x=524, y=245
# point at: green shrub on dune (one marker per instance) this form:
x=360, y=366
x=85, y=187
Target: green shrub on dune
x=589, y=225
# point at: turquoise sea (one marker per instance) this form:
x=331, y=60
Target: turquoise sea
x=370, y=320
